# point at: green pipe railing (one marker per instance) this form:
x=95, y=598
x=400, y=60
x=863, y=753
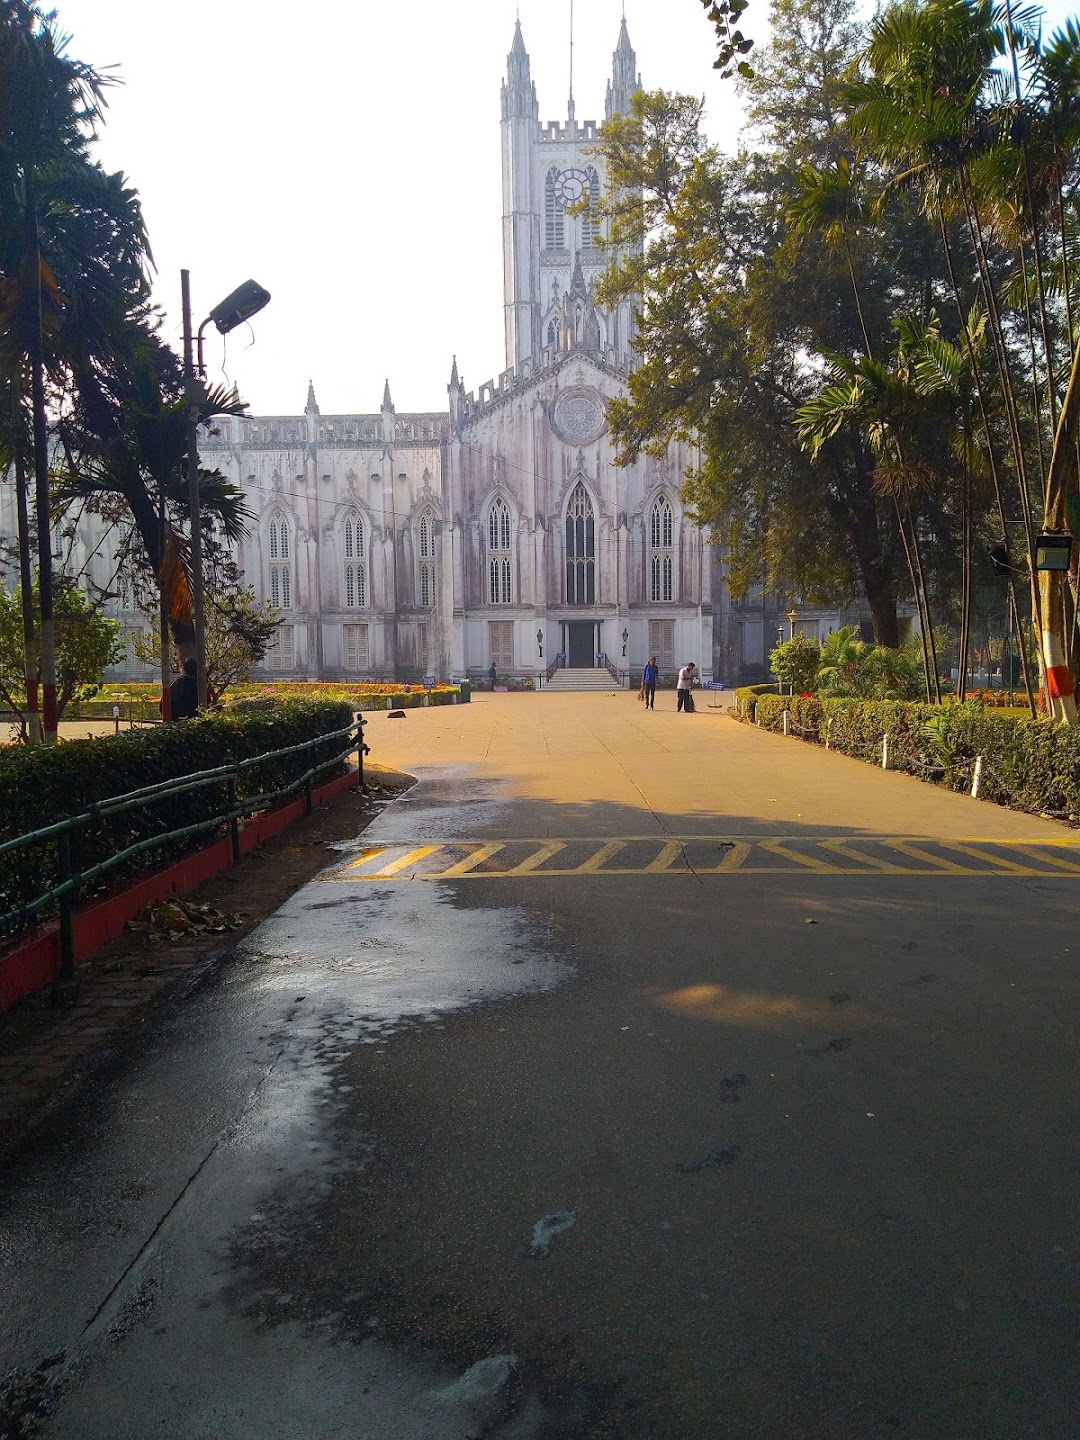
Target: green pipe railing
x=63, y=895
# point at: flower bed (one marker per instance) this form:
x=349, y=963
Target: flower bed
x=141, y=700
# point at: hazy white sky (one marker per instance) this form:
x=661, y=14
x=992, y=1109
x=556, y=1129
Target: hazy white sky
x=346, y=155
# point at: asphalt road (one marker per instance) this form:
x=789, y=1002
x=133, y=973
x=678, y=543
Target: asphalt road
x=632, y=1076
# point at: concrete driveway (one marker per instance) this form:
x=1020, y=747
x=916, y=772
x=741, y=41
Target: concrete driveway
x=634, y=1075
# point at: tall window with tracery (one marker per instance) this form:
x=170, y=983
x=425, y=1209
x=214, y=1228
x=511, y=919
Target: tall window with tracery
x=590, y=221
x=500, y=577
x=662, y=551
x=554, y=217
x=355, y=576
x=580, y=548
x=425, y=548
x=279, y=546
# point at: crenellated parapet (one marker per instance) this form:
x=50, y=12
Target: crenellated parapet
x=569, y=131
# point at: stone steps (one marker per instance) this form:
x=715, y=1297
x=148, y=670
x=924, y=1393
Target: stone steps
x=566, y=679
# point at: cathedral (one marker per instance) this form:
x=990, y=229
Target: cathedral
x=499, y=532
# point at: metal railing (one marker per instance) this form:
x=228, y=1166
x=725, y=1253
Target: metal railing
x=64, y=893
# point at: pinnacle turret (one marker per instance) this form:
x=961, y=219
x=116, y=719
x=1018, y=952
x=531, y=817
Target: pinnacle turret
x=518, y=91
x=625, y=81
x=387, y=403
x=311, y=408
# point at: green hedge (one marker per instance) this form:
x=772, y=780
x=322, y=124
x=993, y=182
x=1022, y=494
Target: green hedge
x=1027, y=764
x=746, y=698
x=416, y=699
x=39, y=786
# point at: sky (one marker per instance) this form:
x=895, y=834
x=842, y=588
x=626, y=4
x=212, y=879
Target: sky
x=346, y=155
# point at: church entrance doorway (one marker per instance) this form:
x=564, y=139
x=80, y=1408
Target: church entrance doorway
x=581, y=644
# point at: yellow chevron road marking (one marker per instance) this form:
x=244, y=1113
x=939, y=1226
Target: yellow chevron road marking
x=538, y=858
x=603, y=855
x=670, y=852
x=524, y=858
x=404, y=861
x=470, y=862
x=777, y=847
x=868, y=862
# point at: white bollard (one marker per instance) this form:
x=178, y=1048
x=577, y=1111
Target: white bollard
x=976, y=777
x=828, y=726
x=785, y=722
x=885, y=752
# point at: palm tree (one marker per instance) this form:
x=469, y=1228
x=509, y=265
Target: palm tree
x=48, y=105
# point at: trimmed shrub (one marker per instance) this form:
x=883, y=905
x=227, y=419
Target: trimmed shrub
x=746, y=698
x=40, y=785
x=1027, y=764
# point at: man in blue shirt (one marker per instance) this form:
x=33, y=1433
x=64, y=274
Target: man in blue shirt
x=649, y=677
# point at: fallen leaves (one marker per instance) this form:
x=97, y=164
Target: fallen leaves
x=183, y=919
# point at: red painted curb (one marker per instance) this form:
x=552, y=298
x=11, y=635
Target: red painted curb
x=36, y=962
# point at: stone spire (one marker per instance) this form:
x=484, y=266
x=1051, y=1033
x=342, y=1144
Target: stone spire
x=456, y=392
x=625, y=80
x=311, y=408
x=518, y=91
x=387, y=403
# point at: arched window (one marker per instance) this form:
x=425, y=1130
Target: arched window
x=554, y=220
x=425, y=559
x=355, y=573
x=590, y=221
x=580, y=548
x=553, y=334
x=500, y=577
x=662, y=551
x=279, y=545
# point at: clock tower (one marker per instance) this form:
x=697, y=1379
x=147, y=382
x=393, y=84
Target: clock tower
x=549, y=254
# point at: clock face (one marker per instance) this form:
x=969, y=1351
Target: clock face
x=570, y=186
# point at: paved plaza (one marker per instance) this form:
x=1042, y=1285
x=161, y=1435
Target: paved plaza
x=632, y=1075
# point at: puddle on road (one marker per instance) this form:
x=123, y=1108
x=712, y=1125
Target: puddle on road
x=318, y=980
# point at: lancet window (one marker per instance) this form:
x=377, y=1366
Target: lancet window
x=354, y=587
x=554, y=217
x=590, y=221
x=500, y=570
x=580, y=548
x=425, y=560
x=661, y=551
x=279, y=550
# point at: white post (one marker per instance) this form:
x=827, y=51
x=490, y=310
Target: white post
x=785, y=722
x=828, y=726
x=976, y=777
x=885, y=752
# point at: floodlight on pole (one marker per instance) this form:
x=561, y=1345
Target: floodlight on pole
x=246, y=300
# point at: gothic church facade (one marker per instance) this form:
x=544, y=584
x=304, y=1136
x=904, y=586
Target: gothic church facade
x=501, y=531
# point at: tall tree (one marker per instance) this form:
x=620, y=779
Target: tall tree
x=738, y=304
x=49, y=104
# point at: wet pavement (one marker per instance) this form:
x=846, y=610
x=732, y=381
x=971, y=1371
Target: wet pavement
x=730, y=1117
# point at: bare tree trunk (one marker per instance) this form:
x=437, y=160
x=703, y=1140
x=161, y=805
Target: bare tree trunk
x=965, y=595
x=26, y=588
x=41, y=473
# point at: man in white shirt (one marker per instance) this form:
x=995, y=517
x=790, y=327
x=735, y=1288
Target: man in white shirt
x=686, y=679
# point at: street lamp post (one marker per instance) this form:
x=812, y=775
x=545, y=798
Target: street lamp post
x=540, y=652
x=246, y=300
